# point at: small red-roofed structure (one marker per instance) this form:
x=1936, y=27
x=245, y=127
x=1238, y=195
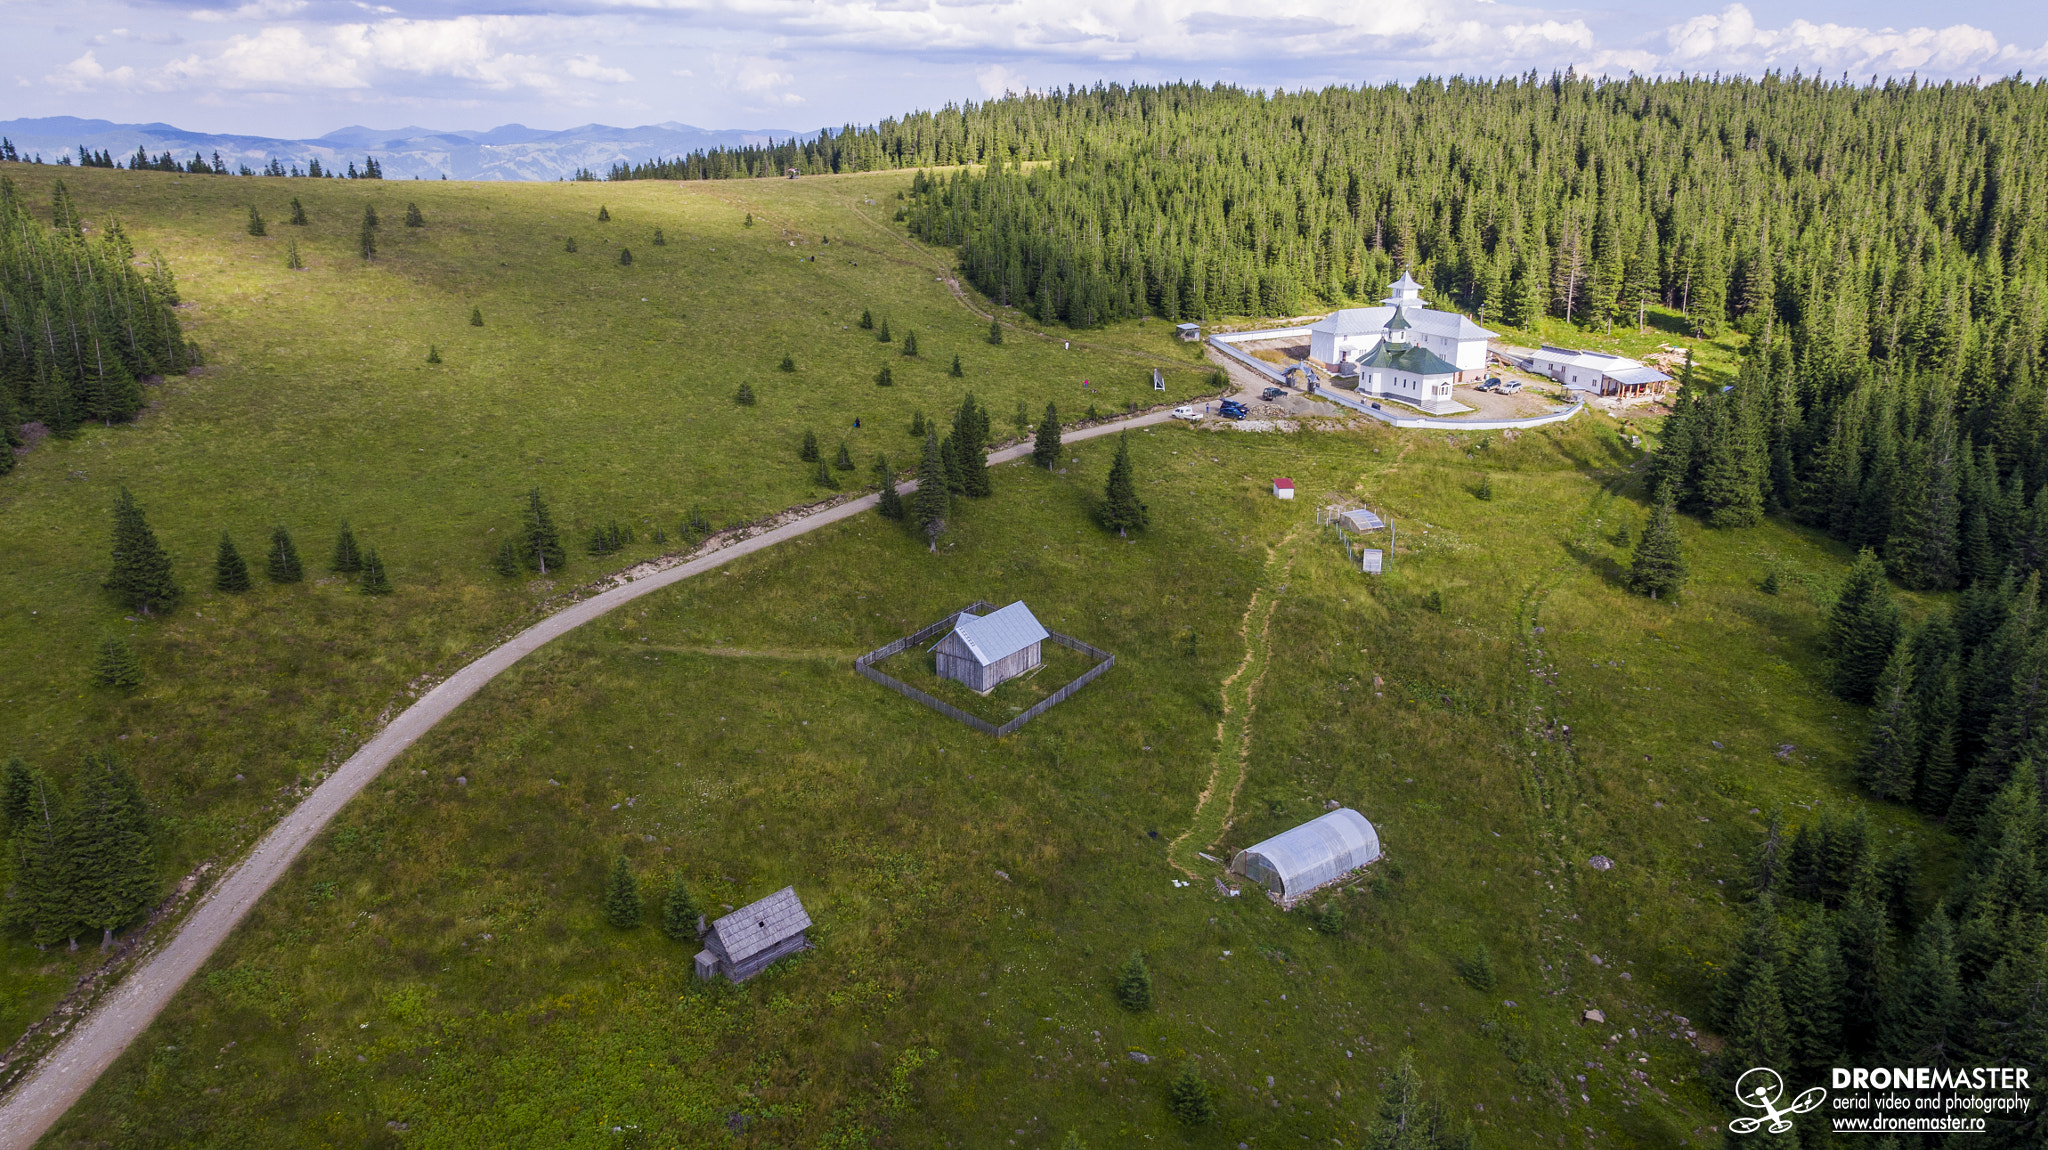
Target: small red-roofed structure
x=1283, y=488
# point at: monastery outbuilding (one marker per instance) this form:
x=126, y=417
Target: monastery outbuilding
x=1403, y=350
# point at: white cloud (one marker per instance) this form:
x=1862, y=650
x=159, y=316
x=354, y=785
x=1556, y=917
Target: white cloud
x=1732, y=41
x=997, y=79
x=285, y=57
x=589, y=68
x=254, y=10
x=759, y=79
x=85, y=74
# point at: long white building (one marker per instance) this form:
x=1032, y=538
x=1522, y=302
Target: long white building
x=1354, y=333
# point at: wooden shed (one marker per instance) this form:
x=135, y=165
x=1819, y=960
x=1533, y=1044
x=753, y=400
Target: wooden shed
x=743, y=943
x=983, y=651
x=1283, y=488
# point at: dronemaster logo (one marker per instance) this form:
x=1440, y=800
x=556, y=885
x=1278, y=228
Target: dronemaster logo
x=1888, y=1099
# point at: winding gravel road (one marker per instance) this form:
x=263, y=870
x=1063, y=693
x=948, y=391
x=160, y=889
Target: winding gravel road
x=94, y=1043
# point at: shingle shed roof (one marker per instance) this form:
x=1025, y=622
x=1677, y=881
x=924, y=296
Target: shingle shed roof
x=757, y=926
x=1000, y=634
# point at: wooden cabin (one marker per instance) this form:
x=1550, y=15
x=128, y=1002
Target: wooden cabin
x=984, y=651
x=744, y=943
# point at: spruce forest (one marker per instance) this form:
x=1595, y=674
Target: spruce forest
x=80, y=324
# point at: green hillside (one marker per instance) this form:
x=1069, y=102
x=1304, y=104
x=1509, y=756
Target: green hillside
x=611, y=387
x=438, y=972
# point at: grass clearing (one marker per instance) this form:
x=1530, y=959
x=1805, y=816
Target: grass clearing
x=608, y=386
x=435, y=971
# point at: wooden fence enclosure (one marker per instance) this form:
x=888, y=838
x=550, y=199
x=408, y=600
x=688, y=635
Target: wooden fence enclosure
x=865, y=665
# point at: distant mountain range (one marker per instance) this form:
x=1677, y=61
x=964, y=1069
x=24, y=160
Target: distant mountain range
x=511, y=152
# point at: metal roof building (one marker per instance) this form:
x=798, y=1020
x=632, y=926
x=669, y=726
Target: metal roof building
x=743, y=943
x=983, y=651
x=1320, y=851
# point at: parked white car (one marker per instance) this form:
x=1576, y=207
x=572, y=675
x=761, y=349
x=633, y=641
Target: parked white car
x=1187, y=413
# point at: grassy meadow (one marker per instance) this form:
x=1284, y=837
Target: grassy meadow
x=436, y=971
x=610, y=386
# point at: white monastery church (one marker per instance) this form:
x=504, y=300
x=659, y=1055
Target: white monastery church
x=1403, y=350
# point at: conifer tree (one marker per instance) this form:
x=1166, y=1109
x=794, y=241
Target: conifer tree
x=230, y=573
x=844, y=460
x=1863, y=629
x=823, y=476
x=141, y=573
x=885, y=377
x=955, y=371
x=507, y=561
x=1813, y=1002
x=366, y=242
x=882, y=332
x=744, y=396
x=970, y=438
x=1120, y=506
x=374, y=581
x=809, y=451
x=116, y=665
x=604, y=216
x=1759, y=1034
x=113, y=861
x=569, y=244
x=283, y=564
x=348, y=558
x=934, y=498
x=1921, y=1022
x=890, y=503
x=917, y=423
x=541, y=543
x=476, y=317
x=1868, y=969
x=749, y=221
x=788, y=363
x=16, y=783
x=867, y=320
x=298, y=214
x=659, y=239
x=1045, y=451
x=679, y=913
x=255, y=222
x=1658, y=566
x=433, y=354
x=43, y=899
x=413, y=218
x=622, y=896
x=1134, y=983
x=625, y=257
x=1891, y=752
x=910, y=343
x=1188, y=1097
x=292, y=261
x=1404, y=1119
x=995, y=331
x=1758, y=946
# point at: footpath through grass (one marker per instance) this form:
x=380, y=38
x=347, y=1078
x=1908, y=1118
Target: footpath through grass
x=436, y=971
x=610, y=386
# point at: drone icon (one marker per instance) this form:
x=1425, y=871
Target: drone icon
x=1761, y=1088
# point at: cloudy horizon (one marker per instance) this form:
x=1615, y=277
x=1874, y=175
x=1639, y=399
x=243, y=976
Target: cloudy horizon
x=301, y=68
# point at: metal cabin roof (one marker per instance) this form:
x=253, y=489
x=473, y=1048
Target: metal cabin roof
x=1406, y=281
x=1000, y=634
x=757, y=926
x=1316, y=851
x=1634, y=375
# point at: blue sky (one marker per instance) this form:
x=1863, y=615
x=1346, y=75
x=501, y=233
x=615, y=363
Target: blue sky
x=303, y=67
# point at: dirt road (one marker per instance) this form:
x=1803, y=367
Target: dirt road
x=94, y=1043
